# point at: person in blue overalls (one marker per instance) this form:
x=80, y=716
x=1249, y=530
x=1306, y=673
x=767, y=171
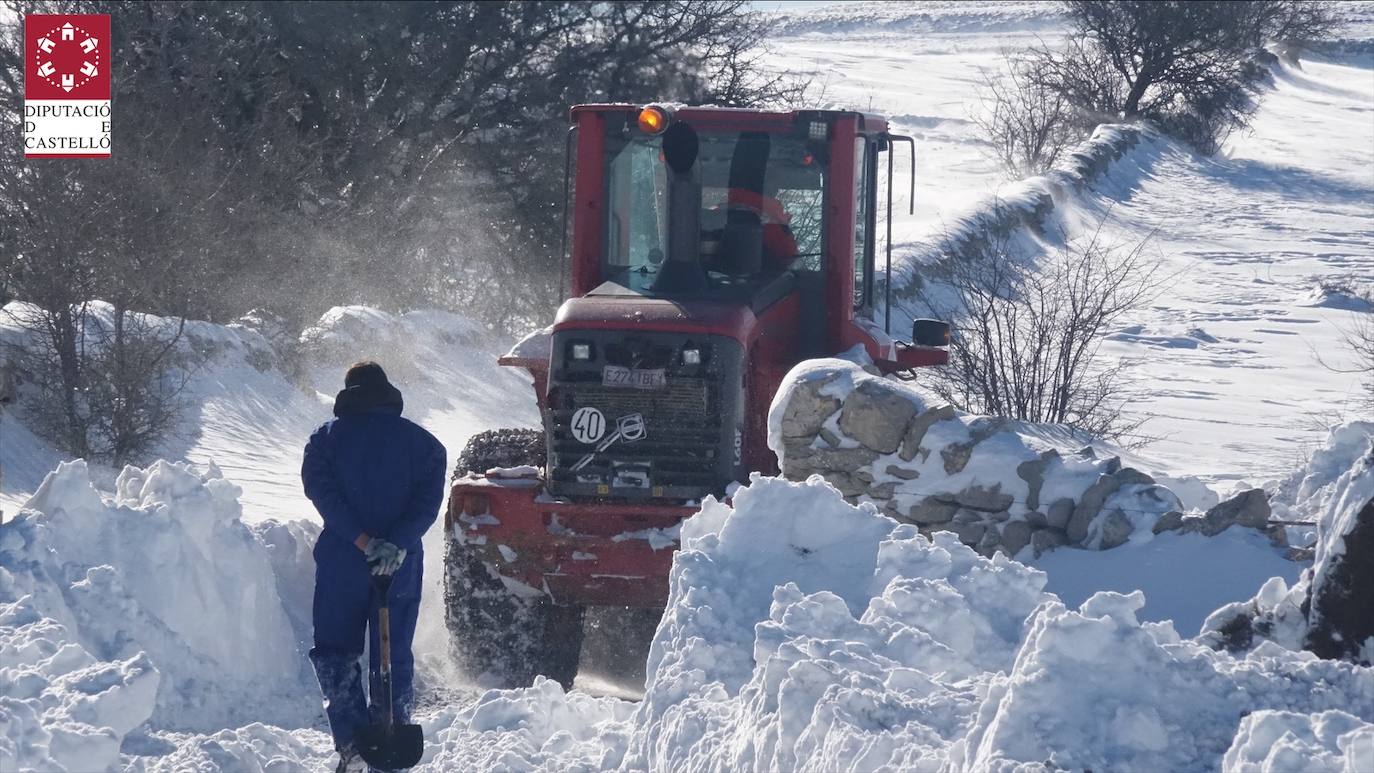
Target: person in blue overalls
x=377, y=480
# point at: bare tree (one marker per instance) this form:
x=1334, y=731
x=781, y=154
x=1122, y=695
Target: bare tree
x=303, y=155
x=1190, y=66
x=1027, y=124
x=1029, y=332
x=116, y=394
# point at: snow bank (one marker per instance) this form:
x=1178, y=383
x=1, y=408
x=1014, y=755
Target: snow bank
x=1185, y=577
x=160, y=592
x=416, y=348
x=802, y=631
x=1095, y=689
x=877, y=18
x=1330, y=598
x=1307, y=493
x=1282, y=741
x=60, y=707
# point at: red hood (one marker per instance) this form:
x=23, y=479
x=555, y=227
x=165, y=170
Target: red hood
x=639, y=313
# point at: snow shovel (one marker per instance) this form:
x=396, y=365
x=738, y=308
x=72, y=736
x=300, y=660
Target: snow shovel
x=387, y=745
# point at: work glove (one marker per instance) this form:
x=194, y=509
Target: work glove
x=384, y=557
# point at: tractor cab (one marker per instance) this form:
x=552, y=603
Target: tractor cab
x=711, y=251
x=712, y=214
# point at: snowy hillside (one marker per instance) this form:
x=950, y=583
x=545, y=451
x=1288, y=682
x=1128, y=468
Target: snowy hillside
x=157, y=618
x=249, y=416
x=1256, y=243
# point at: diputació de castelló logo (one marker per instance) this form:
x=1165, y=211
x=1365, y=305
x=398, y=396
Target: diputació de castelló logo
x=67, y=86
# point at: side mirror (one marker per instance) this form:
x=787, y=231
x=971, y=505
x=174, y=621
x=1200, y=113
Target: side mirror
x=929, y=346
x=930, y=332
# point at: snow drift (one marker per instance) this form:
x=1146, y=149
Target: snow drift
x=805, y=633
x=802, y=632
x=154, y=605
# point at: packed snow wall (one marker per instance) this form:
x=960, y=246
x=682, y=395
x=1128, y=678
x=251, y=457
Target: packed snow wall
x=155, y=605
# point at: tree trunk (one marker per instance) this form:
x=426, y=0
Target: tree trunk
x=1132, y=105
x=64, y=342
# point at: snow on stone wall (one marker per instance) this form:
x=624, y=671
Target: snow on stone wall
x=1026, y=204
x=155, y=605
x=1000, y=485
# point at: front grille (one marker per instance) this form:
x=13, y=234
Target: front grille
x=678, y=457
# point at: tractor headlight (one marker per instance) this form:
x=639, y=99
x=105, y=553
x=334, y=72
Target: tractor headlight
x=691, y=356
x=581, y=351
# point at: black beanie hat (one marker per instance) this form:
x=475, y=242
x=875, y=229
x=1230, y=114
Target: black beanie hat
x=366, y=389
x=365, y=374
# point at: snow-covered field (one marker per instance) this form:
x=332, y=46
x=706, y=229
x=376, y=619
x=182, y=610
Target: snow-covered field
x=158, y=620
x=1228, y=352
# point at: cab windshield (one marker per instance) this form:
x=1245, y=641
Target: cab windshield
x=761, y=205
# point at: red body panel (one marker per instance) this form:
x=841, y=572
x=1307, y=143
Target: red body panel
x=597, y=554
x=636, y=313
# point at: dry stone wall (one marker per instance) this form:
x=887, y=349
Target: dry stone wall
x=999, y=485
x=1030, y=204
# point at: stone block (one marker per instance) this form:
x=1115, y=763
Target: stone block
x=877, y=415
x=1059, y=513
x=1248, y=508
x=989, y=500
x=1015, y=535
x=905, y=473
x=1170, y=521
x=1046, y=539
x=807, y=409
x=931, y=511
x=911, y=442
x=1089, y=505
x=1116, y=530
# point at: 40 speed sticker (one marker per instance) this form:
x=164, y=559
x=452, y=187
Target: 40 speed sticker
x=588, y=425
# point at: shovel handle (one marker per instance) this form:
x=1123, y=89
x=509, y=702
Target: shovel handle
x=381, y=584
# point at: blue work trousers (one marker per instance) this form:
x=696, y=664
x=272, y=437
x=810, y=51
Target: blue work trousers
x=345, y=611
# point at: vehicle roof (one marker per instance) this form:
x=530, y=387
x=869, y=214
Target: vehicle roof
x=717, y=115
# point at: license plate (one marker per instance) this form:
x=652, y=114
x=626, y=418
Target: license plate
x=637, y=378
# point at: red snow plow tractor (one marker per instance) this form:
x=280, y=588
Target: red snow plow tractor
x=712, y=250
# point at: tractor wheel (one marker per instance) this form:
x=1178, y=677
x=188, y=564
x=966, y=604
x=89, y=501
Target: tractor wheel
x=493, y=631
x=501, y=448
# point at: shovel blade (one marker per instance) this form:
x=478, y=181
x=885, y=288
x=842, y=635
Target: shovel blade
x=390, y=748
